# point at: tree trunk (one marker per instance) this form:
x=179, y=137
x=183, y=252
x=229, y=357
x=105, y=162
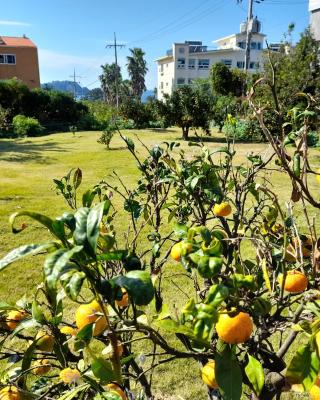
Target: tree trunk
x=185, y=132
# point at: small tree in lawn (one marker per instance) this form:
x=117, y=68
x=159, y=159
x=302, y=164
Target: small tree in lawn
x=186, y=108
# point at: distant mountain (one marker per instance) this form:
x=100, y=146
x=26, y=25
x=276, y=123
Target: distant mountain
x=146, y=94
x=67, y=86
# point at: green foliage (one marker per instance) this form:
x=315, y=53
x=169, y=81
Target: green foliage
x=226, y=81
x=26, y=126
x=106, y=136
x=186, y=108
x=222, y=107
x=137, y=69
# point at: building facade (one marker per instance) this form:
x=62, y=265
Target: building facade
x=191, y=60
x=19, y=59
x=314, y=8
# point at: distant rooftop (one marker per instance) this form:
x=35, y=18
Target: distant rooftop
x=22, y=41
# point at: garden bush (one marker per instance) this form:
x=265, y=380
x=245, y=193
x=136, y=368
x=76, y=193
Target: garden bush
x=26, y=126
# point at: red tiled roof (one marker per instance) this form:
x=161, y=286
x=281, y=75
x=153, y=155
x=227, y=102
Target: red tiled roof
x=16, y=41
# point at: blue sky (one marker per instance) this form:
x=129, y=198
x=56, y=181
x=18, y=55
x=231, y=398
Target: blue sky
x=73, y=34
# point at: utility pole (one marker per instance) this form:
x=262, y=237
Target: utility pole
x=115, y=46
x=249, y=35
x=74, y=76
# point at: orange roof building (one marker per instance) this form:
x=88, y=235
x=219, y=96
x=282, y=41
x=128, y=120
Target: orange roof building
x=19, y=59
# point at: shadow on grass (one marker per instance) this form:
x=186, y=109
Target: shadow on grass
x=24, y=151
x=161, y=130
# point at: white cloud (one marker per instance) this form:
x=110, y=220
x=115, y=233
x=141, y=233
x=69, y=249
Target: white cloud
x=59, y=66
x=13, y=23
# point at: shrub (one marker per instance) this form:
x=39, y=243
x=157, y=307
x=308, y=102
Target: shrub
x=5, y=125
x=26, y=126
x=244, y=131
x=106, y=136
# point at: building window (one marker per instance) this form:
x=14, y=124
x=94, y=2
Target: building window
x=167, y=65
x=228, y=63
x=242, y=45
x=254, y=65
x=161, y=85
x=253, y=45
x=161, y=68
x=181, y=50
x=204, y=64
x=167, y=84
x=7, y=59
x=192, y=63
x=181, y=63
x=240, y=64
x=181, y=81
x=259, y=46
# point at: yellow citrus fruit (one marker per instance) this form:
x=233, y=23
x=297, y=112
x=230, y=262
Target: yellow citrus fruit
x=9, y=393
x=45, y=341
x=69, y=375
x=222, y=210
x=124, y=302
x=42, y=366
x=91, y=313
x=14, y=318
x=318, y=175
x=315, y=391
x=113, y=387
x=295, y=281
x=69, y=330
x=234, y=329
x=176, y=252
x=208, y=375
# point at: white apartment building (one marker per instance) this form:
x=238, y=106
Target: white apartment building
x=314, y=8
x=191, y=60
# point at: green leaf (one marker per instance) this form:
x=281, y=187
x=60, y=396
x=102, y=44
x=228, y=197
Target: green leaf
x=37, y=313
x=217, y=294
x=58, y=263
x=86, y=333
x=80, y=232
x=77, y=178
x=139, y=286
x=300, y=365
x=228, y=375
x=102, y=370
x=313, y=371
x=71, y=394
x=88, y=197
x=255, y=374
x=93, y=223
x=21, y=252
x=180, y=230
x=27, y=360
x=73, y=284
x=117, y=255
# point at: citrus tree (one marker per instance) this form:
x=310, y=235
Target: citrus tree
x=86, y=333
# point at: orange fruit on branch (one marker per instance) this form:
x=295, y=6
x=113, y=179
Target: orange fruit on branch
x=234, y=329
x=45, y=341
x=208, y=375
x=181, y=249
x=69, y=375
x=91, y=313
x=41, y=367
x=295, y=281
x=10, y=393
x=113, y=387
x=14, y=318
x=124, y=301
x=222, y=209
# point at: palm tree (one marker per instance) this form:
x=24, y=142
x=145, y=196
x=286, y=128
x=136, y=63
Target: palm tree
x=110, y=74
x=137, y=69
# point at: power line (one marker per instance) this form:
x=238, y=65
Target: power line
x=74, y=76
x=115, y=46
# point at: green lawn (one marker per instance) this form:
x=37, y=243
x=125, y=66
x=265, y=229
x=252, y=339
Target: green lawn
x=27, y=167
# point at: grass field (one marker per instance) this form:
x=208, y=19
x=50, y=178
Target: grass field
x=27, y=167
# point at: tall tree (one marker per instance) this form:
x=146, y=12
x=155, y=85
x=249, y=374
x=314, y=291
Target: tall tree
x=137, y=69
x=110, y=74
